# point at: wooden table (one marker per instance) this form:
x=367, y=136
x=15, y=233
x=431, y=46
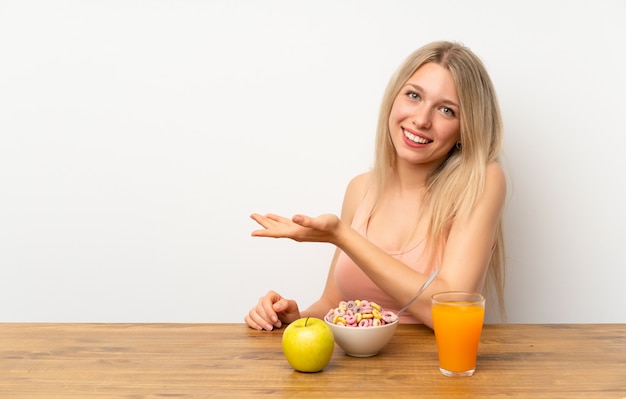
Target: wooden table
x=232, y=361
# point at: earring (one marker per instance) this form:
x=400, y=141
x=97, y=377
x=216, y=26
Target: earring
x=459, y=145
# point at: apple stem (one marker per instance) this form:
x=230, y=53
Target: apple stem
x=306, y=321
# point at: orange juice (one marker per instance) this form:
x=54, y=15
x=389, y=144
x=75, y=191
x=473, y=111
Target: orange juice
x=457, y=325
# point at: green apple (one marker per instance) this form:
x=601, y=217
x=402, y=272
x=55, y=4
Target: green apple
x=308, y=344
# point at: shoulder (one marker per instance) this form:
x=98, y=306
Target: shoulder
x=494, y=192
x=355, y=192
x=494, y=168
x=495, y=179
x=359, y=184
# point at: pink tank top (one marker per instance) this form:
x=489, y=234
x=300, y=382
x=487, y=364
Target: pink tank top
x=353, y=283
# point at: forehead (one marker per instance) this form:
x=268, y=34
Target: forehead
x=434, y=80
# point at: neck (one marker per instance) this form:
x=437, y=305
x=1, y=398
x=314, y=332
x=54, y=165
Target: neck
x=410, y=178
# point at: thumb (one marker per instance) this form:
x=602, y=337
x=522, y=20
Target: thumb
x=285, y=306
x=299, y=219
x=280, y=305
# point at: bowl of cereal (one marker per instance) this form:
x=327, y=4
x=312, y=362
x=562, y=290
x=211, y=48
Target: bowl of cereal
x=361, y=328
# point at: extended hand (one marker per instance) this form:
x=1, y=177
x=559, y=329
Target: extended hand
x=299, y=228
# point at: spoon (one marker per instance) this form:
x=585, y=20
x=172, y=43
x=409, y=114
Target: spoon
x=424, y=286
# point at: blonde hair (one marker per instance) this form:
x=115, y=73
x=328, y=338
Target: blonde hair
x=455, y=185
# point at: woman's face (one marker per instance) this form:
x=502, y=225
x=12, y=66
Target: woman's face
x=424, y=120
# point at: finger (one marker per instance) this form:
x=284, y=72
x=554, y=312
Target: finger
x=287, y=310
x=300, y=219
x=263, y=314
x=306, y=221
x=266, y=305
x=259, y=233
x=277, y=218
x=257, y=318
x=260, y=219
x=266, y=223
x=251, y=323
x=282, y=306
x=256, y=217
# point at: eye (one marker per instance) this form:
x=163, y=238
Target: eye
x=448, y=111
x=413, y=95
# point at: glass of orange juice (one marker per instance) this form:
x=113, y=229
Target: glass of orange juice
x=457, y=322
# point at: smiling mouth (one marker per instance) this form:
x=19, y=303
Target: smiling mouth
x=415, y=139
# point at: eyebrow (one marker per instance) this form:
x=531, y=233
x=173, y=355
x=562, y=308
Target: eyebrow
x=444, y=101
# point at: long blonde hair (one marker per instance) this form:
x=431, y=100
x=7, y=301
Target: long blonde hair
x=455, y=185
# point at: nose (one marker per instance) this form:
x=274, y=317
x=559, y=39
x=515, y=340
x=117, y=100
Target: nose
x=421, y=117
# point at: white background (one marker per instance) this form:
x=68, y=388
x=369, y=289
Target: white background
x=138, y=136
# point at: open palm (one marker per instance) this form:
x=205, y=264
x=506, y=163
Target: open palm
x=299, y=228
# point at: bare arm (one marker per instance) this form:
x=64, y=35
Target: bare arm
x=331, y=296
x=465, y=260
x=273, y=310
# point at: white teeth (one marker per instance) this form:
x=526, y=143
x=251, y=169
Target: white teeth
x=414, y=138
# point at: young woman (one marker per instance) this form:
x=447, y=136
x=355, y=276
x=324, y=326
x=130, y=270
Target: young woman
x=433, y=199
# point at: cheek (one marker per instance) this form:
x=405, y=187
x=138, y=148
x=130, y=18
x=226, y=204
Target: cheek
x=398, y=113
x=453, y=131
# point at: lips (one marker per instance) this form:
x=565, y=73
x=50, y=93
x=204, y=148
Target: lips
x=414, y=138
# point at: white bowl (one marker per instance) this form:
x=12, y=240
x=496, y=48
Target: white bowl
x=362, y=341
